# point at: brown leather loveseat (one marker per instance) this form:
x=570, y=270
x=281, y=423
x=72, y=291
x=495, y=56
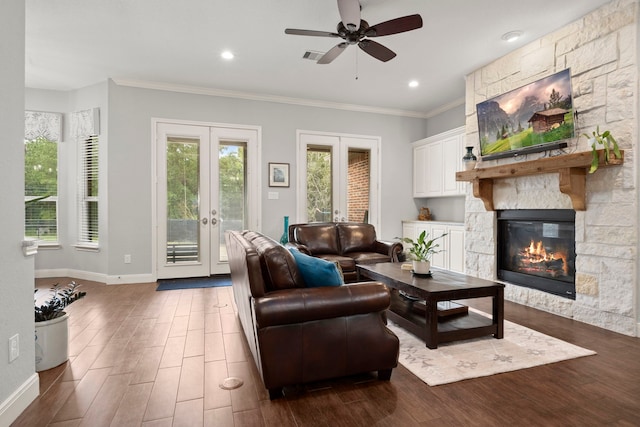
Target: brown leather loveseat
x=297, y=334
x=347, y=243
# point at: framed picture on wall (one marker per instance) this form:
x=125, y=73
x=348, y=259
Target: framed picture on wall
x=278, y=174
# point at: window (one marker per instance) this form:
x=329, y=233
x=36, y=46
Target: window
x=42, y=133
x=41, y=189
x=88, y=191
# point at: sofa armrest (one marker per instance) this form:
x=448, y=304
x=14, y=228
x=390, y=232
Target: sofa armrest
x=392, y=249
x=308, y=304
x=299, y=246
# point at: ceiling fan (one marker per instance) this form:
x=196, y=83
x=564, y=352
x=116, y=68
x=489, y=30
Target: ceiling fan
x=354, y=30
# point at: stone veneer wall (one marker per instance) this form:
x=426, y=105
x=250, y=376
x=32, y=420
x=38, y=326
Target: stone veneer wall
x=601, y=50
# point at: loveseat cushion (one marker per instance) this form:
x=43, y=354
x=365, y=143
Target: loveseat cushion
x=346, y=263
x=318, y=238
x=368, y=257
x=317, y=271
x=357, y=237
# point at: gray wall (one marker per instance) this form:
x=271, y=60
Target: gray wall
x=16, y=270
x=126, y=137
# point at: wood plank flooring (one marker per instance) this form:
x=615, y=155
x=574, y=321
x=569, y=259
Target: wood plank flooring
x=139, y=357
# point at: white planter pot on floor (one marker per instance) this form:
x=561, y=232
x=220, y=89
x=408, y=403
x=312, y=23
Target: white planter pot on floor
x=52, y=343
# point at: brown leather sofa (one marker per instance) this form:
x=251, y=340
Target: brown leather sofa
x=347, y=243
x=299, y=335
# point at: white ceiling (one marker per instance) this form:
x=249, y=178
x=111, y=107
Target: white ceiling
x=75, y=43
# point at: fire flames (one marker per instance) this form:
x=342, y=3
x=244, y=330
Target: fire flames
x=536, y=257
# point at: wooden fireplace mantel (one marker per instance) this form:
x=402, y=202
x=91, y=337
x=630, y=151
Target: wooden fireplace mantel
x=571, y=168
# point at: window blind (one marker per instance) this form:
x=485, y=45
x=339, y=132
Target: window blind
x=88, y=191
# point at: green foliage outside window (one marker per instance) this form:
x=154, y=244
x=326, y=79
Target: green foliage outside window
x=319, y=189
x=41, y=188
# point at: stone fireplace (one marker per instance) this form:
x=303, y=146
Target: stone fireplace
x=601, y=51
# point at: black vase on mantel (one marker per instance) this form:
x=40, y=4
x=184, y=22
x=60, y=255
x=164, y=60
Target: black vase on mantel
x=469, y=159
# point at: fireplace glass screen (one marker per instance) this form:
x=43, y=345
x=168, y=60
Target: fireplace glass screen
x=536, y=249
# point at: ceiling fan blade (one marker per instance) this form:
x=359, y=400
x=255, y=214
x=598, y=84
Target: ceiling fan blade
x=376, y=50
x=349, y=14
x=314, y=33
x=395, y=26
x=333, y=53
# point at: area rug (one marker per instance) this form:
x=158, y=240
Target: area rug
x=520, y=348
x=193, y=282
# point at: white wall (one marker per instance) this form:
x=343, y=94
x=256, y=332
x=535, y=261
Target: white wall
x=18, y=381
x=126, y=136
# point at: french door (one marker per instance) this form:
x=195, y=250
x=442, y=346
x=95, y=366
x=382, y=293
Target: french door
x=338, y=178
x=205, y=186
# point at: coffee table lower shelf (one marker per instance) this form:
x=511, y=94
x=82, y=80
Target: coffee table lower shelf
x=404, y=312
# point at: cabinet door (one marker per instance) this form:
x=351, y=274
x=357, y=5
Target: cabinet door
x=434, y=170
x=456, y=249
x=409, y=230
x=451, y=163
x=419, y=171
x=440, y=259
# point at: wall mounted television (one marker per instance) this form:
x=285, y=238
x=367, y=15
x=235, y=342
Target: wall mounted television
x=533, y=118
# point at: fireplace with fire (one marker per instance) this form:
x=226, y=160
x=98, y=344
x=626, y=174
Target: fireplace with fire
x=536, y=249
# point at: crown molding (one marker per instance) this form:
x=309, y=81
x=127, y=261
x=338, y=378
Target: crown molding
x=446, y=107
x=143, y=84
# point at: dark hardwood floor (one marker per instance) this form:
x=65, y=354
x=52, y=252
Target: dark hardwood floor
x=144, y=358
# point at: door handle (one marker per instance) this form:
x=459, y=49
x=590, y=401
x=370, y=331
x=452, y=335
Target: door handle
x=214, y=221
x=204, y=221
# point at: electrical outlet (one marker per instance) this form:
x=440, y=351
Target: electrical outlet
x=127, y=259
x=14, y=347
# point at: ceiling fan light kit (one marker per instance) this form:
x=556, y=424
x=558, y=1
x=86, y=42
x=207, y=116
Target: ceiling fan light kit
x=354, y=30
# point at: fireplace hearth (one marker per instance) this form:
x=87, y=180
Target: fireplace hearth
x=536, y=249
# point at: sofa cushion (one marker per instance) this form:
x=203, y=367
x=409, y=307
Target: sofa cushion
x=317, y=272
x=357, y=237
x=278, y=265
x=318, y=238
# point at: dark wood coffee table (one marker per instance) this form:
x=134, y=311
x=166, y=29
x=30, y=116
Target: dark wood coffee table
x=443, y=285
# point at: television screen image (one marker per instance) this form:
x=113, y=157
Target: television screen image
x=532, y=118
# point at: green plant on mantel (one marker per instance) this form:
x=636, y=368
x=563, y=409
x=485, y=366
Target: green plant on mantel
x=607, y=141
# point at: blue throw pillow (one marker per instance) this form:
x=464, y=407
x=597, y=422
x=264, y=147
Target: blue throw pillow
x=317, y=272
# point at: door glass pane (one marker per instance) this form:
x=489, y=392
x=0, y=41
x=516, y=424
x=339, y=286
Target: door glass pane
x=183, y=197
x=319, y=187
x=358, y=178
x=232, y=170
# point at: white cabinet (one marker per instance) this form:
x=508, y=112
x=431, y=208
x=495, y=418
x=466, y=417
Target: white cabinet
x=435, y=162
x=452, y=256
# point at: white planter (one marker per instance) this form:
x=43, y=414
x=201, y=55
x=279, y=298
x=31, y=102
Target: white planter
x=52, y=343
x=421, y=267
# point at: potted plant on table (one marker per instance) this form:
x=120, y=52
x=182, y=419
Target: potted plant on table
x=52, y=330
x=421, y=251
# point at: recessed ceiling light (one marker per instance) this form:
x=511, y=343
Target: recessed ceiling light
x=414, y=83
x=227, y=54
x=512, y=36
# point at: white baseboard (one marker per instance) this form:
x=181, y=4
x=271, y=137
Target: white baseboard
x=18, y=401
x=96, y=277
